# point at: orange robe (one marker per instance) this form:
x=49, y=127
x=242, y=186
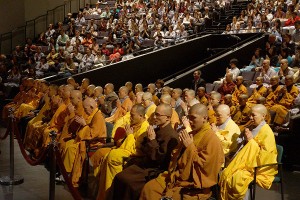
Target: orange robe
x=196, y=166
x=203, y=100
x=257, y=92
x=272, y=96
x=242, y=117
x=75, y=150
x=121, y=111
x=237, y=92
x=284, y=104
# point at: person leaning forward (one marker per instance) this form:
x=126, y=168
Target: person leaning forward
x=194, y=164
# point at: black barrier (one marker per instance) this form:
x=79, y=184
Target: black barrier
x=158, y=64
x=12, y=179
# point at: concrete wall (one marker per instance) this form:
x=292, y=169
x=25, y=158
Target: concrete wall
x=11, y=14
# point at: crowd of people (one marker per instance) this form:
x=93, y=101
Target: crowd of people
x=169, y=142
x=103, y=34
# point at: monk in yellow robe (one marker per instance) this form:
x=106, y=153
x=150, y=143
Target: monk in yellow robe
x=123, y=105
x=90, y=91
x=201, y=96
x=112, y=163
x=257, y=148
x=240, y=88
x=75, y=151
x=131, y=94
x=121, y=123
x=226, y=129
x=259, y=91
x=195, y=163
x=273, y=92
x=148, y=103
x=285, y=100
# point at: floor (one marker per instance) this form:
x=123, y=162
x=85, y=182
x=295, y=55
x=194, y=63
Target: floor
x=36, y=180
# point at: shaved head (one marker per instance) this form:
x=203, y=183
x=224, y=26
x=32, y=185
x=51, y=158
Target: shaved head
x=89, y=105
x=165, y=98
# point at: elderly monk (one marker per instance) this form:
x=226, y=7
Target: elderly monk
x=285, y=100
x=195, y=163
x=189, y=100
x=156, y=147
x=176, y=101
x=257, y=147
x=148, y=104
x=214, y=101
x=71, y=81
x=124, y=105
x=228, y=102
x=240, y=88
x=273, y=92
x=201, y=96
x=75, y=151
x=98, y=94
x=131, y=94
x=84, y=85
x=226, y=129
x=90, y=91
x=131, y=146
x=152, y=88
x=259, y=91
x=227, y=86
x=109, y=103
x=138, y=88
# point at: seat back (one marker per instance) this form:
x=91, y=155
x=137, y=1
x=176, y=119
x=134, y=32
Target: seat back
x=279, y=153
x=209, y=87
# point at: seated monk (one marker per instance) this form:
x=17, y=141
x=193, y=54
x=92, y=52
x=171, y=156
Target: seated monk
x=152, y=89
x=121, y=123
x=34, y=100
x=257, y=147
x=90, y=91
x=285, y=100
x=201, y=96
x=112, y=162
x=71, y=81
x=240, y=88
x=226, y=130
x=228, y=102
x=108, y=104
x=124, y=105
x=166, y=99
x=148, y=103
x=195, y=163
x=227, y=86
x=156, y=147
x=98, y=94
x=214, y=102
x=259, y=91
x=84, y=85
x=273, y=91
x=75, y=150
x=242, y=116
x=131, y=94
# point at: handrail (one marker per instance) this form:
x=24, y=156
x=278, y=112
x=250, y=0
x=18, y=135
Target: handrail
x=26, y=26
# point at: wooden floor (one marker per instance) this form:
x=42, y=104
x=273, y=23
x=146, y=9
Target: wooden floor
x=36, y=180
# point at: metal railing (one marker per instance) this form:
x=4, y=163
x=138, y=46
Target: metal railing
x=34, y=27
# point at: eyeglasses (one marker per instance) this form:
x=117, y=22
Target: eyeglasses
x=159, y=115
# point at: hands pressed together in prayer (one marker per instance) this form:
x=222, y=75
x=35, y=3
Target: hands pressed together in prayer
x=185, y=138
x=80, y=120
x=71, y=108
x=248, y=134
x=214, y=127
x=128, y=129
x=151, y=133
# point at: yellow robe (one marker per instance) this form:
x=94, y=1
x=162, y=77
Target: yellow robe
x=261, y=92
x=212, y=116
x=235, y=179
x=271, y=98
x=75, y=151
x=121, y=111
x=237, y=92
x=113, y=161
x=203, y=100
x=155, y=99
x=228, y=136
x=283, y=106
x=242, y=117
